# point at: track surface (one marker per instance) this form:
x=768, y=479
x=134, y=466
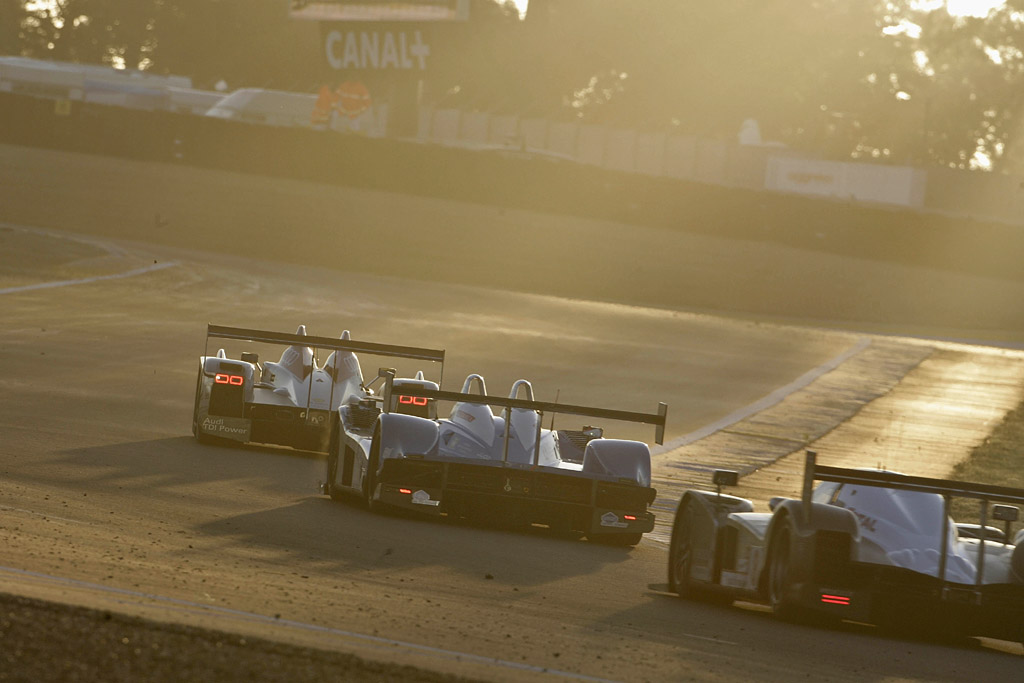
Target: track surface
x=103, y=485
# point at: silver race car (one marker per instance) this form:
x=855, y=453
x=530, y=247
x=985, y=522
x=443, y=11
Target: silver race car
x=506, y=467
x=868, y=546
x=289, y=402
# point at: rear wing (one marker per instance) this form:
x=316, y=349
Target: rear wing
x=327, y=343
x=947, y=488
x=657, y=419
x=285, y=339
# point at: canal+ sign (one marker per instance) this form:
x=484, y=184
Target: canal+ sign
x=386, y=36
x=375, y=49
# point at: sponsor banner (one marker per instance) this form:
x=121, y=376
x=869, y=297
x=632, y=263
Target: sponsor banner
x=397, y=48
x=900, y=185
x=237, y=428
x=379, y=10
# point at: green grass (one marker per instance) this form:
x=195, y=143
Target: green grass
x=998, y=460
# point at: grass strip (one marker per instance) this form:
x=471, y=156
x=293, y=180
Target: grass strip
x=997, y=460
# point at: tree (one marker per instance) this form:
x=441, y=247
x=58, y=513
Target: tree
x=965, y=82
x=119, y=33
x=12, y=16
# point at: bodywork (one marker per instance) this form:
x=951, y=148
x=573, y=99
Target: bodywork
x=290, y=402
x=870, y=546
x=501, y=467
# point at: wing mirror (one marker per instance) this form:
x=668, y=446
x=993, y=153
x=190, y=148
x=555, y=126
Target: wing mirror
x=722, y=478
x=1005, y=513
x=725, y=478
x=1008, y=514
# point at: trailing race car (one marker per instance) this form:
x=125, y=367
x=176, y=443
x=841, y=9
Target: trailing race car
x=287, y=403
x=506, y=467
x=867, y=546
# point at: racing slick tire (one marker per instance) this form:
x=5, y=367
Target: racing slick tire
x=370, y=480
x=332, y=464
x=680, y=552
x=202, y=438
x=778, y=576
x=780, y=597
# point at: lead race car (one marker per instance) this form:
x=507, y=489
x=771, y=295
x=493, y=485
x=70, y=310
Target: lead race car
x=289, y=402
x=868, y=546
x=506, y=467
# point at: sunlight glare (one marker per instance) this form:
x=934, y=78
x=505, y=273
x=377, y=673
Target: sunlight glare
x=960, y=8
x=521, y=6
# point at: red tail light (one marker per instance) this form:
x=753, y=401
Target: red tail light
x=413, y=400
x=406, y=491
x=234, y=380
x=835, y=599
x=631, y=518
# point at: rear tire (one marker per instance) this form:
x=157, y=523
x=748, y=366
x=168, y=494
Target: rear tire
x=370, y=480
x=195, y=408
x=332, y=464
x=199, y=434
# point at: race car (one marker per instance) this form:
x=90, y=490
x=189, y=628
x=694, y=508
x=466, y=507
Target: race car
x=504, y=468
x=868, y=546
x=288, y=402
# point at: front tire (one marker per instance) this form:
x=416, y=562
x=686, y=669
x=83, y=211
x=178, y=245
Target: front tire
x=779, y=582
x=680, y=552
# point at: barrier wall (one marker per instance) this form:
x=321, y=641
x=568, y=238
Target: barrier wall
x=524, y=180
x=755, y=167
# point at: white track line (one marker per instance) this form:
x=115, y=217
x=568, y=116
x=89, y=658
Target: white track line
x=86, y=280
x=771, y=399
x=111, y=249
x=212, y=610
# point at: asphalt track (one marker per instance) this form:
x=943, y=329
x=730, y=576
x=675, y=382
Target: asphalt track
x=108, y=502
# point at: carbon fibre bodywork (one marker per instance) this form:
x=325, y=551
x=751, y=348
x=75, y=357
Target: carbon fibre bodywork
x=290, y=402
x=502, y=468
x=867, y=546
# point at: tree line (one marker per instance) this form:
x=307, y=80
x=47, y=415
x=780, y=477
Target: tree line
x=885, y=80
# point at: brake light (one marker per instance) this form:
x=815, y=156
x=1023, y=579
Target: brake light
x=835, y=599
x=413, y=400
x=406, y=491
x=631, y=518
x=234, y=380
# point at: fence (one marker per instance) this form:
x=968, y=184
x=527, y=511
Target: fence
x=756, y=167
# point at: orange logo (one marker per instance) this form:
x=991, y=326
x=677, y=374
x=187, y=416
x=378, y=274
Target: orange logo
x=350, y=99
